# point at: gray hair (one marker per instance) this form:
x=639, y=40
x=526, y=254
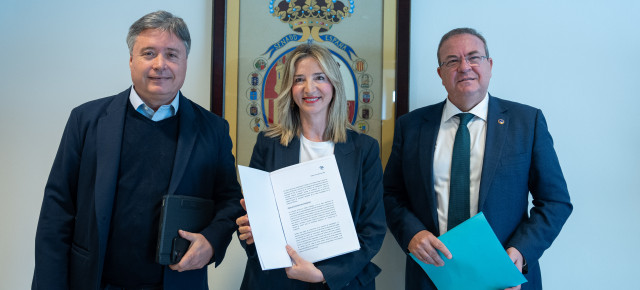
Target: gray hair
x=458, y=31
x=162, y=20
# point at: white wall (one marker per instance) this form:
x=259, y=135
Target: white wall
x=54, y=56
x=577, y=61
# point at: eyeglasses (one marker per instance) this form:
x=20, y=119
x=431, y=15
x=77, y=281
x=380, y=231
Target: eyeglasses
x=473, y=60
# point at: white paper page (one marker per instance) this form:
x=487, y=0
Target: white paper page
x=264, y=218
x=314, y=211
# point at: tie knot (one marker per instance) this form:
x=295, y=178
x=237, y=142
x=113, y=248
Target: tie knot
x=465, y=118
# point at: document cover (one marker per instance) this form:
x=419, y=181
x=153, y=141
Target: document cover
x=304, y=206
x=180, y=212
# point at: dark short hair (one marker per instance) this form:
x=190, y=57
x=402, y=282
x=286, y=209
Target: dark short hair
x=458, y=31
x=162, y=20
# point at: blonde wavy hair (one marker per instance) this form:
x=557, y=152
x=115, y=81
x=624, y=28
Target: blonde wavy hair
x=289, y=124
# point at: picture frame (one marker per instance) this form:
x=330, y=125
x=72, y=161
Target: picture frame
x=395, y=82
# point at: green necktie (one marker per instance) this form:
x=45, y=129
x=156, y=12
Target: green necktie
x=460, y=167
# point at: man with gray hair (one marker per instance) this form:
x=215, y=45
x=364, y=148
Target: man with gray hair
x=98, y=226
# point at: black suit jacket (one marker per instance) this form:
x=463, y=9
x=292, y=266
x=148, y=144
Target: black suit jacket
x=78, y=200
x=361, y=172
x=519, y=159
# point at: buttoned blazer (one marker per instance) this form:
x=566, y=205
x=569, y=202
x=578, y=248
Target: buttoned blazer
x=73, y=228
x=361, y=172
x=519, y=159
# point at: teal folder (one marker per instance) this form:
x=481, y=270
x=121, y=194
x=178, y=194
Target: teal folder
x=479, y=260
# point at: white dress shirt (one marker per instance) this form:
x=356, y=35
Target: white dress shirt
x=444, y=151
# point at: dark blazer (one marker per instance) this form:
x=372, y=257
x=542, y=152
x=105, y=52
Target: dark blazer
x=519, y=158
x=359, y=164
x=76, y=211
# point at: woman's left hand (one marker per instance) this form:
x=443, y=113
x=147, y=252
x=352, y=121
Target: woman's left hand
x=244, y=227
x=302, y=269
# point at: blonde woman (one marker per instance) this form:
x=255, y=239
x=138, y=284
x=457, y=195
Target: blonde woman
x=313, y=123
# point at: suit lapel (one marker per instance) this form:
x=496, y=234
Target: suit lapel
x=347, y=165
x=287, y=155
x=497, y=125
x=426, y=148
x=109, y=142
x=189, y=128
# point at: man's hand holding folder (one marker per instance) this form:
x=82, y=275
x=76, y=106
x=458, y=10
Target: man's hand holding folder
x=425, y=246
x=198, y=254
x=179, y=244
x=480, y=261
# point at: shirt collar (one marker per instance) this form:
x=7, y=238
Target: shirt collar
x=481, y=110
x=136, y=101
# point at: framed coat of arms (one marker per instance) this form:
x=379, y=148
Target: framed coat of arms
x=257, y=37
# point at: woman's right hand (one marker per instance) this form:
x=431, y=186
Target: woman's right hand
x=243, y=226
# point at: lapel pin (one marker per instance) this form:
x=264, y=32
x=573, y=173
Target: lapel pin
x=500, y=121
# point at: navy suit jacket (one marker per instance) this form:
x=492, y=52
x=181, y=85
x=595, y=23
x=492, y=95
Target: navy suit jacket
x=74, y=223
x=361, y=171
x=519, y=159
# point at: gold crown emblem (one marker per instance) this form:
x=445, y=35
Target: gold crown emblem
x=311, y=17
x=313, y=22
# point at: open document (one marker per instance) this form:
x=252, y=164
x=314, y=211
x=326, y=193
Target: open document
x=304, y=206
x=479, y=260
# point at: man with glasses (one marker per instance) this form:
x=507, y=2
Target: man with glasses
x=440, y=173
